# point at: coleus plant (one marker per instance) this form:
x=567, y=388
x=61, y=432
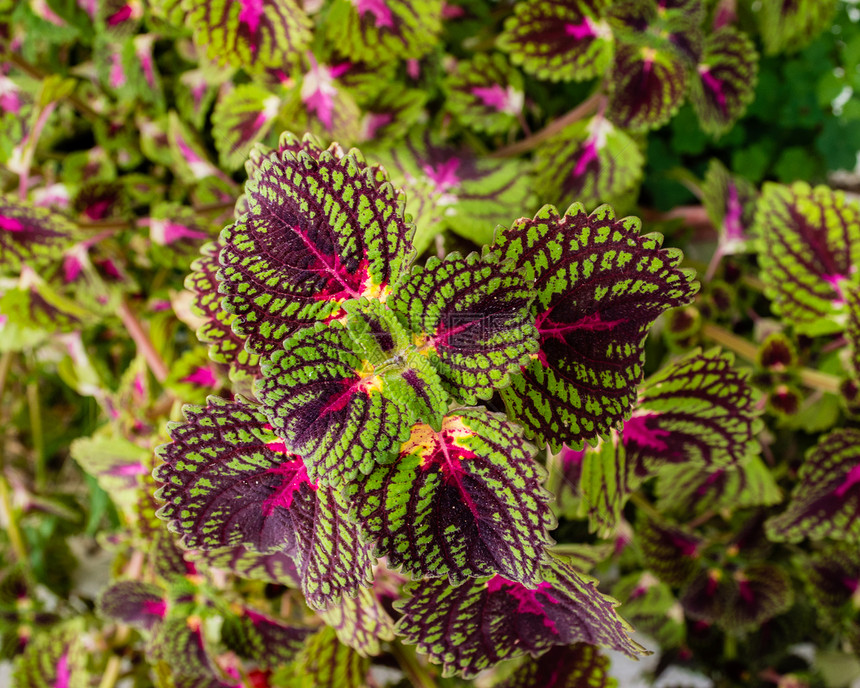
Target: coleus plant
x=364, y=434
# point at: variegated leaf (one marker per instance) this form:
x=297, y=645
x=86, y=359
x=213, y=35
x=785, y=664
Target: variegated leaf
x=360, y=622
x=462, y=502
x=486, y=93
x=687, y=489
x=240, y=119
x=599, y=287
x=591, y=161
x=453, y=188
x=266, y=641
x=573, y=666
x=138, y=604
x=53, y=659
x=725, y=79
x=826, y=501
x=472, y=626
x=647, y=86
x=253, y=34
x=325, y=662
x=810, y=246
x=321, y=228
x=273, y=567
x=671, y=552
x=650, y=606
x=604, y=484
x=229, y=481
x=832, y=577
x=471, y=319
x=730, y=202
x=852, y=330
x=788, y=25
x=382, y=30
x=559, y=40
x=31, y=235
x=346, y=394
x=225, y=346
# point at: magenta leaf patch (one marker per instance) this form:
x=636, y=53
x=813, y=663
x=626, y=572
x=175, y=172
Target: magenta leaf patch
x=472, y=626
x=486, y=93
x=321, y=228
x=599, y=287
x=725, y=79
x=826, y=501
x=465, y=502
x=472, y=318
x=346, y=394
x=138, y=604
x=241, y=118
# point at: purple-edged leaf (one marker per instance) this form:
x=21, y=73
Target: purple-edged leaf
x=325, y=662
x=590, y=161
x=253, y=34
x=273, y=567
x=599, y=287
x=266, y=641
x=320, y=229
x=810, y=246
x=572, y=666
x=471, y=316
x=699, y=409
x=559, y=40
x=462, y=502
x=392, y=113
x=741, y=600
x=384, y=30
x=833, y=580
x=472, y=626
x=230, y=481
x=486, y=93
x=826, y=501
x=240, y=119
x=730, y=202
x=852, y=329
x=672, y=553
x=54, y=659
x=604, y=484
x=725, y=79
x=31, y=235
x=225, y=346
x=646, y=88
x=178, y=641
x=788, y=25
x=453, y=188
x=693, y=489
x=345, y=395
x=360, y=622
x=138, y=604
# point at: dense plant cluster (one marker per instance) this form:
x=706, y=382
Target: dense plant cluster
x=356, y=404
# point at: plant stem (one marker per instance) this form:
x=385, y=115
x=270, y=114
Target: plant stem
x=585, y=108
x=30, y=149
x=111, y=672
x=142, y=341
x=814, y=379
x=555, y=471
x=416, y=672
x=37, y=433
x=646, y=506
x=12, y=530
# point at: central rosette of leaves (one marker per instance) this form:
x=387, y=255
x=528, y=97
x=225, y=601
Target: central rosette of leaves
x=366, y=437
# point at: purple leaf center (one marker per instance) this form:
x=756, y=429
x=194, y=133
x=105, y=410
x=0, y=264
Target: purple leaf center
x=581, y=31
x=852, y=479
x=591, y=322
x=123, y=14
x=295, y=475
x=381, y=14
x=155, y=608
x=732, y=221
x=203, y=376
x=638, y=430
x=527, y=602
x=444, y=175
x=250, y=14
x=10, y=224
x=492, y=96
x=63, y=673
x=589, y=154
x=716, y=87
